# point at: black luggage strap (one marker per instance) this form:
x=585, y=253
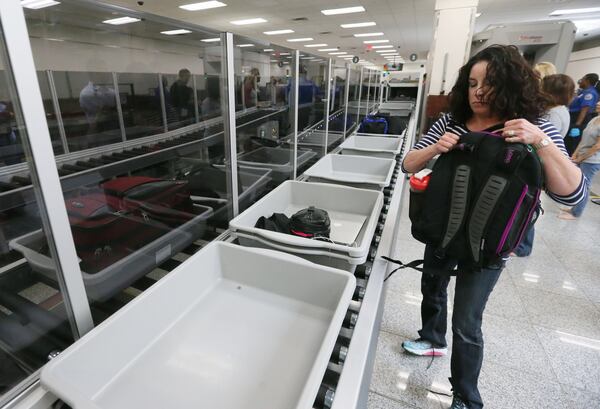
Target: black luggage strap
x=458, y=204
x=413, y=264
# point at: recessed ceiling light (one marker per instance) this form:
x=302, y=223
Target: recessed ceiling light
x=356, y=25
x=298, y=40
x=328, y=49
x=385, y=51
x=38, y=4
x=275, y=32
x=375, y=41
x=347, y=58
x=274, y=60
x=575, y=11
x=245, y=45
x=121, y=20
x=382, y=46
x=284, y=53
x=315, y=45
x=175, y=32
x=268, y=50
x=344, y=10
x=202, y=6
x=211, y=40
x=338, y=53
x=477, y=15
x=248, y=21
x=368, y=35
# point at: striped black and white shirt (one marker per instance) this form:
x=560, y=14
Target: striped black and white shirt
x=448, y=124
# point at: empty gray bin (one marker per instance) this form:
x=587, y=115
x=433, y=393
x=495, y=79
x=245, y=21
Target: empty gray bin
x=352, y=170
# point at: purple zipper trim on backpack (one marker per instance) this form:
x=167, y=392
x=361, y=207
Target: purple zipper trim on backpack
x=511, y=220
x=529, y=216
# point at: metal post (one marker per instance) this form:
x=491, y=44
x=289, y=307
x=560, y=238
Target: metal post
x=359, y=94
x=327, y=106
x=196, y=111
x=163, y=103
x=46, y=181
x=119, y=108
x=57, y=113
x=346, y=92
x=380, y=83
x=368, y=94
x=228, y=113
x=295, y=90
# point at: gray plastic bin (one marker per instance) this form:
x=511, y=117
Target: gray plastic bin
x=106, y=283
x=278, y=160
x=230, y=328
x=374, y=146
x=353, y=213
x=352, y=170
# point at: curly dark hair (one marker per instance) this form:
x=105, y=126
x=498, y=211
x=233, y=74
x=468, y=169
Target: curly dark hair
x=516, y=91
x=560, y=88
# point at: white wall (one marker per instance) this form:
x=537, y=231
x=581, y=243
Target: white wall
x=583, y=62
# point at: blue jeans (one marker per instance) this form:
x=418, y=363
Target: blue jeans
x=524, y=248
x=589, y=170
x=471, y=295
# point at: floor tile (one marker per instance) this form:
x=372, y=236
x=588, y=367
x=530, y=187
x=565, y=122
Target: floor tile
x=377, y=401
x=502, y=387
x=407, y=378
x=575, y=359
x=516, y=345
x=505, y=301
x=576, y=398
x=569, y=314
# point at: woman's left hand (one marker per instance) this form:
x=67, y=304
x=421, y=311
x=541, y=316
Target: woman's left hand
x=523, y=131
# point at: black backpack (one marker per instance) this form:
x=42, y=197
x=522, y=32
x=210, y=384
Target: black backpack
x=481, y=199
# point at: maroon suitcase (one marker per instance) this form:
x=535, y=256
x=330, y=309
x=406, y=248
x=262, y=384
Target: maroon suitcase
x=167, y=201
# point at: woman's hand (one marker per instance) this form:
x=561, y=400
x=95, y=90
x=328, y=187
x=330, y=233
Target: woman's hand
x=523, y=131
x=446, y=142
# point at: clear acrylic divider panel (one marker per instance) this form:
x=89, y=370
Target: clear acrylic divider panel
x=140, y=201
x=33, y=319
x=353, y=94
x=312, y=95
x=264, y=113
x=337, y=107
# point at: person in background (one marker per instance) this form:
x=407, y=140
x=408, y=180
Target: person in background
x=582, y=109
x=251, y=88
x=559, y=88
x=496, y=88
x=587, y=156
x=543, y=69
x=211, y=105
x=182, y=95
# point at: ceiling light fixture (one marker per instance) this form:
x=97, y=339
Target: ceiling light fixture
x=205, y=5
x=382, y=46
x=368, y=35
x=328, y=49
x=245, y=45
x=38, y=4
x=344, y=10
x=268, y=50
x=338, y=53
x=275, y=32
x=248, y=21
x=357, y=25
x=385, y=51
x=284, y=53
x=298, y=40
x=121, y=20
x=477, y=15
x=175, y=32
x=375, y=41
x=575, y=11
x=211, y=40
x=315, y=45
x=586, y=25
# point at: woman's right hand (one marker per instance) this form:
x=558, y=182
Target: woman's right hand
x=446, y=142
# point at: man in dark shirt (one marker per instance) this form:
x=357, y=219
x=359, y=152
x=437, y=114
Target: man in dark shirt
x=182, y=95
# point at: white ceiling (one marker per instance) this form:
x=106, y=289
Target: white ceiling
x=408, y=24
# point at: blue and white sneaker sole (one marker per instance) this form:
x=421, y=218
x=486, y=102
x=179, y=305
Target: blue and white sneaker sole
x=426, y=352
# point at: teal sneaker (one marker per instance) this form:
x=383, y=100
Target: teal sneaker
x=423, y=348
x=457, y=403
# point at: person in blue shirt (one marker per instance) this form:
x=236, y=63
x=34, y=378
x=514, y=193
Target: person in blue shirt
x=581, y=109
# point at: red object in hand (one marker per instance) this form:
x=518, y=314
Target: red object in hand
x=419, y=185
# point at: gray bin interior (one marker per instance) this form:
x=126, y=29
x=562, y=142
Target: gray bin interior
x=249, y=328
x=353, y=170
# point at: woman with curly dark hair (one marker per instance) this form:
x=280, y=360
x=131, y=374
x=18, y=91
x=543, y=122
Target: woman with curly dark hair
x=495, y=90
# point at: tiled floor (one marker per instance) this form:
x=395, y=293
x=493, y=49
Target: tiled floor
x=541, y=326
